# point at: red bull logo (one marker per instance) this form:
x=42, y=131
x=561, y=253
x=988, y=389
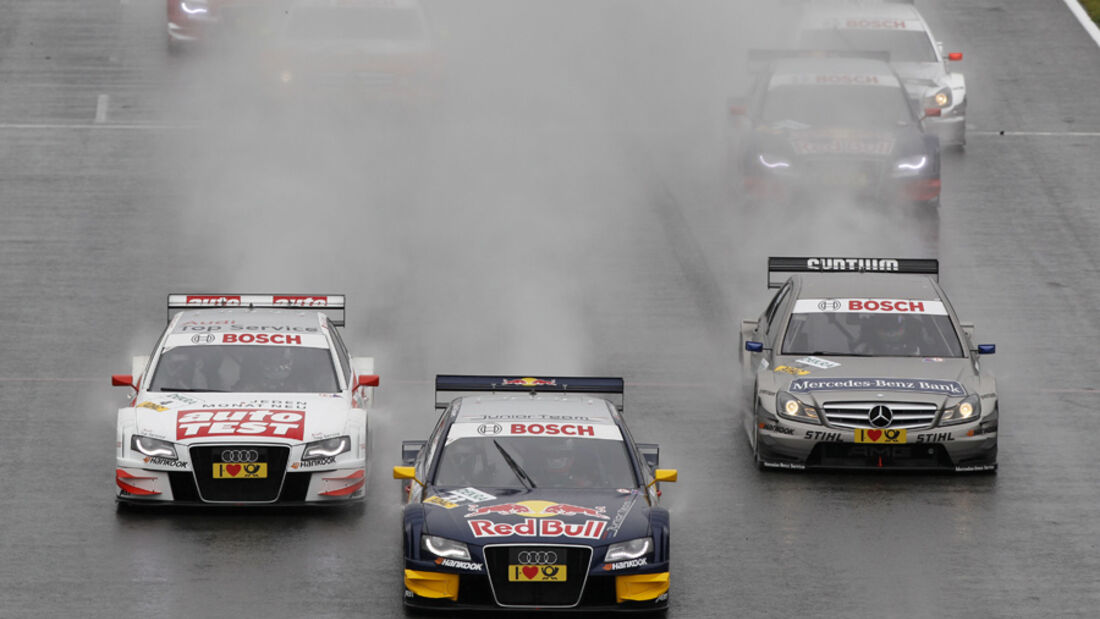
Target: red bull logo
x=537, y=509
x=529, y=381
x=533, y=527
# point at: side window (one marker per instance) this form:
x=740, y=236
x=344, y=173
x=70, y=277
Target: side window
x=773, y=307
x=341, y=352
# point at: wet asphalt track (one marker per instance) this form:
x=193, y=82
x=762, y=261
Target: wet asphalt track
x=544, y=222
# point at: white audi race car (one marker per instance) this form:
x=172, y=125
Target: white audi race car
x=246, y=400
x=898, y=28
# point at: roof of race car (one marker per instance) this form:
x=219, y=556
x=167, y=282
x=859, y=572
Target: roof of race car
x=833, y=71
x=246, y=319
x=534, y=407
x=863, y=285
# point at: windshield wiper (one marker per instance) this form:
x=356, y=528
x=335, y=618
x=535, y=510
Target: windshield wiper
x=524, y=478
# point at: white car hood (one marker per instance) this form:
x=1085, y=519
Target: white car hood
x=291, y=418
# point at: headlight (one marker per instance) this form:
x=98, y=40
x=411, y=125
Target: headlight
x=968, y=410
x=327, y=448
x=633, y=549
x=791, y=407
x=910, y=166
x=941, y=98
x=153, y=447
x=773, y=162
x=446, y=548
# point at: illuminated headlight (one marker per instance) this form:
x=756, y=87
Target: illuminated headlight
x=195, y=7
x=968, y=410
x=286, y=77
x=327, y=448
x=941, y=98
x=773, y=162
x=446, y=548
x=153, y=447
x=909, y=166
x=633, y=549
x=791, y=407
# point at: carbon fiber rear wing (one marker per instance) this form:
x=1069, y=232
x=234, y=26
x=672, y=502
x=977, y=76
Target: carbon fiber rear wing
x=557, y=384
x=331, y=304
x=920, y=266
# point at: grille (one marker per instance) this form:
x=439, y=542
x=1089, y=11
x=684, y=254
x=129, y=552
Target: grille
x=546, y=594
x=856, y=414
x=239, y=490
x=838, y=173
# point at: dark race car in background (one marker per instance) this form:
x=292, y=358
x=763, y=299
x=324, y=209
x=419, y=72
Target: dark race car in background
x=822, y=125
x=532, y=494
x=863, y=363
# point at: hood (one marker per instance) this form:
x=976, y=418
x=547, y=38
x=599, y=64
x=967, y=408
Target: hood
x=595, y=517
x=909, y=379
x=808, y=141
x=262, y=417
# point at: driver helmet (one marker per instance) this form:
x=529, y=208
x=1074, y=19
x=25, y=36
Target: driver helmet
x=276, y=364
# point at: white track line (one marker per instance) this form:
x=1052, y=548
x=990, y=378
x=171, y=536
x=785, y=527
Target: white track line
x=1082, y=16
x=101, y=104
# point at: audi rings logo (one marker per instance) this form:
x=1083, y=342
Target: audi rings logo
x=828, y=305
x=207, y=338
x=537, y=557
x=880, y=416
x=240, y=455
x=490, y=428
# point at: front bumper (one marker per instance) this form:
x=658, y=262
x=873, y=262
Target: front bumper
x=968, y=447
x=863, y=183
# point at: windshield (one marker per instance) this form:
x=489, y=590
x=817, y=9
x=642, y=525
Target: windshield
x=252, y=369
x=530, y=462
x=903, y=45
x=869, y=107
x=871, y=335
x=369, y=23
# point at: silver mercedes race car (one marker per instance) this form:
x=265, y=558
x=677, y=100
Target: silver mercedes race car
x=862, y=362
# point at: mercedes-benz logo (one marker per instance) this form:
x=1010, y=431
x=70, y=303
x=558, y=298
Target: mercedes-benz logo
x=880, y=416
x=490, y=428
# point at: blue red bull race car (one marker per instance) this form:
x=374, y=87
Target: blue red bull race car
x=534, y=496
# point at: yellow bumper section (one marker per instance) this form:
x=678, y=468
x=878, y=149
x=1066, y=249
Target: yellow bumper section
x=640, y=587
x=433, y=584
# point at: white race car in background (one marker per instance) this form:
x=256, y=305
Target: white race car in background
x=896, y=27
x=246, y=400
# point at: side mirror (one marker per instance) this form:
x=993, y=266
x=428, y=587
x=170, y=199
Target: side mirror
x=651, y=452
x=932, y=111
x=987, y=349
x=663, y=475
x=410, y=450
x=367, y=380
x=123, y=380
x=955, y=56
x=754, y=346
x=738, y=106
x=406, y=472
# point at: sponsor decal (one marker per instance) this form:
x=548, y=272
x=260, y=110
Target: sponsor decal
x=852, y=264
x=472, y=495
x=299, y=301
x=878, y=24
x=976, y=468
x=882, y=437
x=152, y=406
x=786, y=369
x=846, y=78
x=870, y=306
x=818, y=362
x=932, y=360
x=212, y=300
x=553, y=429
x=662, y=598
x=783, y=465
x=535, y=573
x=596, y=430
x=240, y=422
x=538, y=509
x=817, y=435
x=159, y=461
x=459, y=565
x=260, y=338
x=529, y=381
x=535, y=527
x=314, y=462
x=620, y=515
x=491, y=429
x=935, y=437
x=886, y=305
x=830, y=305
x=623, y=565
x=778, y=429
x=248, y=470
x=525, y=417
x=441, y=502
x=942, y=387
x=204, y=338
x=849, y=146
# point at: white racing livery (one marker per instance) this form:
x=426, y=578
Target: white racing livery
x=896, y=27
x=246, y=400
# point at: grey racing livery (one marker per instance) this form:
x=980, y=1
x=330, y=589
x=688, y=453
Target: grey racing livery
x=863, y=363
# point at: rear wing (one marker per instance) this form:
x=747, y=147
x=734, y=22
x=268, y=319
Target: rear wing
x=556, y=384
x=332, y=305
x=760, y=58
x=920, y=266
